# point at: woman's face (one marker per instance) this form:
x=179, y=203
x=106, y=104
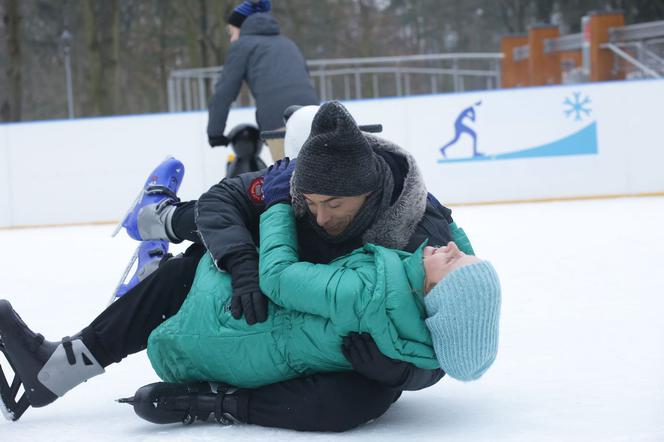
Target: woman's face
x=440, y=262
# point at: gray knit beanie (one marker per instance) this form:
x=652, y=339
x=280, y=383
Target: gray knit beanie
x=463, y=312
x=336, y=159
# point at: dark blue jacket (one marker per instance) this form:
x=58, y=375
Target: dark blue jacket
x=273, y=67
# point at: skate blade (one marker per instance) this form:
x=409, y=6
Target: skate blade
x=9, y=407
x=5, y=411
x=4, y=392
x=118, y=226
x=127, y=269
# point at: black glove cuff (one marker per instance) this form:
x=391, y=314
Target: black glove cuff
x=218, y=141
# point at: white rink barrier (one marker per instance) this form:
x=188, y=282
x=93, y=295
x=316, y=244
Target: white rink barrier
x=531, y=143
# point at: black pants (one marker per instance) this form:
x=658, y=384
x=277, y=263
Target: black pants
x=184, y=222
x=322, y=402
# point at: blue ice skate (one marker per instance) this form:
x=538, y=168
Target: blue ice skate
x=161, y=187
x=148, y=254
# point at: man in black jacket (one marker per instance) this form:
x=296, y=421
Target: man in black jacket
x=349, y=188
x=271, y=64
x=336, y=214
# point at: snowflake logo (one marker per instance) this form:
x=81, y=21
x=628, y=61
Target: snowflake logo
x=577, y=106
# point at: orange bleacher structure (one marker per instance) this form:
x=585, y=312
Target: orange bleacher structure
x=543, y=56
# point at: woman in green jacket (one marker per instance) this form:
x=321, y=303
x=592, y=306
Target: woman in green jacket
x=433, y=308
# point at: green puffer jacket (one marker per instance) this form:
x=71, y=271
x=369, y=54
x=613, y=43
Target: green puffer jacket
x=374, y=290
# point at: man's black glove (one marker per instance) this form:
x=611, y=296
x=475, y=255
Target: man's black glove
x=367, y=360
x=220, y=140
x=247, y=298
x=252, y=304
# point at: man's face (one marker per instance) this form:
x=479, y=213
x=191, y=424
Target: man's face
x=334, y=213
x=233, y=32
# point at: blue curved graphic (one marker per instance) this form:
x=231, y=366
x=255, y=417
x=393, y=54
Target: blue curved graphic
x=583, y=142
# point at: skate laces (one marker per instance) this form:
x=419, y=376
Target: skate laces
x=171, y=197
x=221, y=416
x=158, y=189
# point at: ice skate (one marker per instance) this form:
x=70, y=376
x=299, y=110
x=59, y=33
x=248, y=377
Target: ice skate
x=46, y=370
x=158, y=193
x=165, y=403
x=149, y=255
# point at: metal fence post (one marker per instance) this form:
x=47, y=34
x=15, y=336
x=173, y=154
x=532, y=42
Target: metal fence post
x=329, y=88
x=187, y=94
x=455, y=74
x=201, y=92
x=397, y=79
x=347, y=87
x=178, y=94
x=171, y=94
x=323, y=84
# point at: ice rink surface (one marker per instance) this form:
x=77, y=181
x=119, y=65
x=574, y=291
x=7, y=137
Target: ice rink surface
x=581, y=348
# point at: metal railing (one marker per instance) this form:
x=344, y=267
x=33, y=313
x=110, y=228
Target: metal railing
x=565, y=43
x=356, y=78
x=570, y=72
x=638, y=49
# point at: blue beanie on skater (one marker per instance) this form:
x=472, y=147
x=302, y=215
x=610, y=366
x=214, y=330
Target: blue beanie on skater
x=463, y=312
x=246, y=8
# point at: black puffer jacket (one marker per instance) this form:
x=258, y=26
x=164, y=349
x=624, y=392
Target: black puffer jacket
x=227, y=217
x=273, y=67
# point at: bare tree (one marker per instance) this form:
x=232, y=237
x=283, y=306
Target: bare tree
x=123, y=50
x=12, y=104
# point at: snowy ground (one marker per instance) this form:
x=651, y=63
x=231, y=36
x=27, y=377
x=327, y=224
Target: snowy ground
x=582, y=334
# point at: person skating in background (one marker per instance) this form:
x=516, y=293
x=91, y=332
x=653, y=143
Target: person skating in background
x=270, y=63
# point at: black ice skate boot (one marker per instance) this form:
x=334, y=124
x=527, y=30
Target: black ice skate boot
x=165, y=403
x=47, y=370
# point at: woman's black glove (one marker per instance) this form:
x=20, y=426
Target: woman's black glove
x=365, y=357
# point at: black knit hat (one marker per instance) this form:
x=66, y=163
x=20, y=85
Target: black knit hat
x=336, y=159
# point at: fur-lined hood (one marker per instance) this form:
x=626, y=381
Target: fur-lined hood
x=393, y=227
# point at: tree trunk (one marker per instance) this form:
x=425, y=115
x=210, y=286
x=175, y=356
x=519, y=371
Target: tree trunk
x=162, y=16
x=11, y=108
x=93, y=74
x=101, y=27
x=109, y=54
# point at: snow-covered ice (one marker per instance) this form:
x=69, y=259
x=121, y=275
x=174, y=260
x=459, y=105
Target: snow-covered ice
x=581, y=349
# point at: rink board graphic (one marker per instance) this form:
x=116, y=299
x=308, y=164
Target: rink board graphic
x=88, y=170
x=584, y=142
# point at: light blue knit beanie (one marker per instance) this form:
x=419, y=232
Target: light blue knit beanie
x=463, y=312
